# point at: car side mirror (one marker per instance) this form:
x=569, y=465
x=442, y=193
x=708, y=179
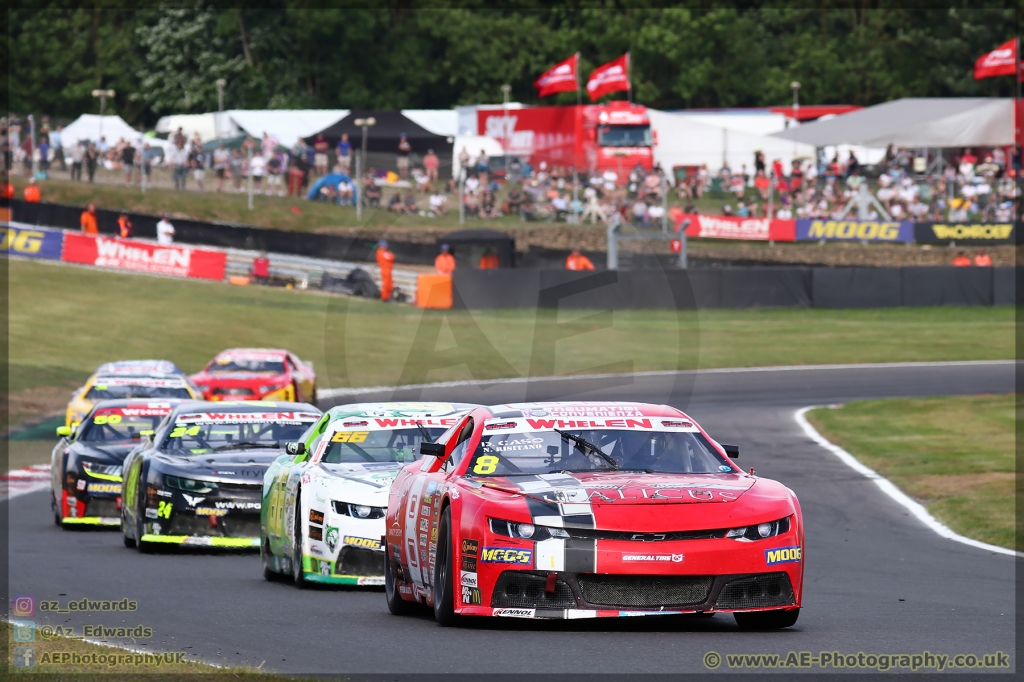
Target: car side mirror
x=295, y=448
x=64, y=431
x=732, y=450
x=432, y=449
x=147, y=434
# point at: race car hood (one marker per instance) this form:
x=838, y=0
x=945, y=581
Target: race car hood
x=114, y=453
x=369, y=477
x=242, y=466
x=619, y=489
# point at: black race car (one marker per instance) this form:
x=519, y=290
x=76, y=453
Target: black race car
x=198, y=480
x=85, y=467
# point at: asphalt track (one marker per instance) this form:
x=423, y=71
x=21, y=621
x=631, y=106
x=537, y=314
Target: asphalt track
x=878, y=581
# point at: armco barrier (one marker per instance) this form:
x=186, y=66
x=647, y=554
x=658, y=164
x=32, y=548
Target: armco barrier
x=734, y=288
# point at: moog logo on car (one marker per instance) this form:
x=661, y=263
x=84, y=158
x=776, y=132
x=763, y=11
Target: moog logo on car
x=506, y=555
x=361, y=542
x=783, y=555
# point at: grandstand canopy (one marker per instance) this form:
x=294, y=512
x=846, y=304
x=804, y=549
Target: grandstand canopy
x=915, y=122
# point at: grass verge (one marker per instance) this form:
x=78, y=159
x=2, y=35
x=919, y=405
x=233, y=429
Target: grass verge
x=72, y=658
x=953, y=455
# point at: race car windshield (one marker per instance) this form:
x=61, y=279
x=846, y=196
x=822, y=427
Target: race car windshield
x=116, y=428
x=198, y=439
x=543, y=452
x=359, y=447
x=624, y=136
x=240, y=365
x=110, y=392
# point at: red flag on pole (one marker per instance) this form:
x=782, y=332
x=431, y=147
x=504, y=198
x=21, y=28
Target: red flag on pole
x=610, y=77
x=559, y=78
x=1001, y=61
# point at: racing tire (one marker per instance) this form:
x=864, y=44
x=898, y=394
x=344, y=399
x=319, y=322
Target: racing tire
x=444, y=586
x=396, y=605
x=128, y=542
x=56, y=509
x=767, y=620
x=269, y=574
x=140, y=522
x=297, y=576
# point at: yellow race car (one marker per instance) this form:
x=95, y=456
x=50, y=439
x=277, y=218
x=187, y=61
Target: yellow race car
x=129, y=379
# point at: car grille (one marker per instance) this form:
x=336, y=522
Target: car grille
x=102, y=506
x=232, y=391
x=670, y=536
x=236, y=524
x=246, y=492
x=769, y=589
x=525, y=590
x=359, y=561
x=644, y=591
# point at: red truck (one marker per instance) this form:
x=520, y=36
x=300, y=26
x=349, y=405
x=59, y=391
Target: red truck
x=597, y=137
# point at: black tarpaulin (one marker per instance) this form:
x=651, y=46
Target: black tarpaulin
x=384, y=135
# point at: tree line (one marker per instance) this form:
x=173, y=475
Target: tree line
x=427, y=55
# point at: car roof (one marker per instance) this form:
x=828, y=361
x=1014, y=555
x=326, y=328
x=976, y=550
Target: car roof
x=123, y=379
x=399, y=409
x=140, y=366
x=584, y=408
x=141, y=403
x=244, y=352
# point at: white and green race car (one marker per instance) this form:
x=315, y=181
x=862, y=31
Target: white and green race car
x=324, y=503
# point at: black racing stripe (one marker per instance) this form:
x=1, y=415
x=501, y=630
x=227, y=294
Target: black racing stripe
x=540, y=508
x=580, y=555
x=579, y=521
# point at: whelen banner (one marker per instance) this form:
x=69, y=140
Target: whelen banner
x=19, y=239
x=965, y=233
x=732, y=227
x=817, y=229
x=139, y=256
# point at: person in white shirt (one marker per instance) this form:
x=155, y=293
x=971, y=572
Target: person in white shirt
x=165, y=231
x=258, y=167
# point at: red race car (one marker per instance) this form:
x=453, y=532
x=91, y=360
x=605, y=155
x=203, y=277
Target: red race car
x=257, y=374
x=587, y=510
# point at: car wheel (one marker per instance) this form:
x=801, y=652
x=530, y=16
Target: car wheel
x=56, y=508
x=140, y=522
x=396, y=604
x=297, y=575
x=444, y=591
x=767, y=620
x=269, y=574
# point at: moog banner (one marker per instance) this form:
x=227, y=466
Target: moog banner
x=965, y=233
x=816, y=229
x=19, y=239
x=129, y=254
x=732, y=227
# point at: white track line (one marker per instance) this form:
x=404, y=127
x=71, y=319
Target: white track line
x=890, y=489
x=337, y=392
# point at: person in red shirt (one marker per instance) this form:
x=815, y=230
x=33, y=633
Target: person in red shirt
x=961, y=260
x=88, y=220
x=260, y=272
x=386, y=261
x=577, y=261
x=32, y=193
x=983, y=260
x=445, y=261
x=7, y=191
x=125, y=227
x=489, y=260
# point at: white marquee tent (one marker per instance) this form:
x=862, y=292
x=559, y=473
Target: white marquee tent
x=92, y=127
x=916, y=122
x=287, y=125
x=684, y=141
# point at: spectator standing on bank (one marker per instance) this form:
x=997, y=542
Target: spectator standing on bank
x=759, y=161
x=128, y=162
x=344, y=150
x=197, y=161
x=464, y=159
x=444, y=264
x=177, y=158
x=235, y=168
x=44, y=154
x=386, y=261
x=221, y=160
x=404, y=150
x=87, y=221
x=268, y=145
x=90, y=159
x=125, y=227
x=257, y=167
x=320, y=148
x=294, y=178
x=577, y=261
x=57, y=142
x=165, y=230
x=431, y=164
